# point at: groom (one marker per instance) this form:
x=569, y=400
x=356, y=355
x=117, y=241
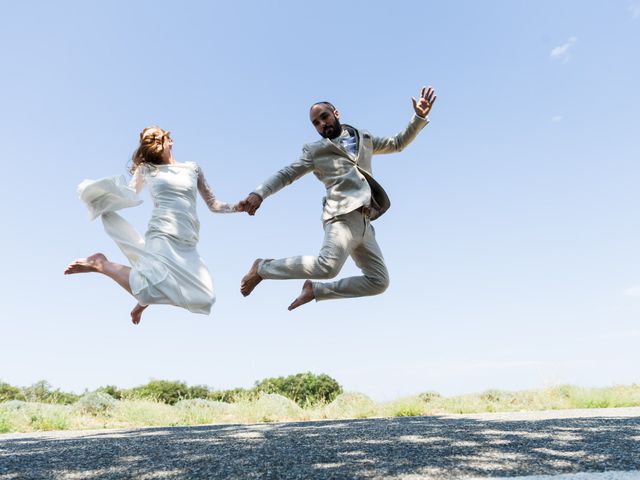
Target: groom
x=342, y=161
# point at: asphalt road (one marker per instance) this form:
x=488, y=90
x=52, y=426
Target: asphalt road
x=451, y=446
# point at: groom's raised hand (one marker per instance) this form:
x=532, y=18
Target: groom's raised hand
x=251, y=203
x=422, y=107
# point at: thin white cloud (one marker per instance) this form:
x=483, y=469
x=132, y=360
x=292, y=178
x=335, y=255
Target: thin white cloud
x=556, y=119
x=634, y=8
x=562, y=52
x=632, y=291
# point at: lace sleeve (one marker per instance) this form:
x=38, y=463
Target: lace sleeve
x=137, y=181
x=209, y=197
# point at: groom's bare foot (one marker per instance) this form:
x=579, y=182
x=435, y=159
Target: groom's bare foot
x=93, y=263
x=136, y=313
x=305, y=296
x=251, y=279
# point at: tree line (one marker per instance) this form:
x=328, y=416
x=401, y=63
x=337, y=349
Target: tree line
x=306, y=389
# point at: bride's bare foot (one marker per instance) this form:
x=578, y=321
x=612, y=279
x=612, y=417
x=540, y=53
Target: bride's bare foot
x=305, y=296
x=251, y=279
x=136, y=313
x=93, y=263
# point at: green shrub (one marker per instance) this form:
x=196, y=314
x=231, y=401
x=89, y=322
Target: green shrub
x=164, y=391
x=198, y=391
x=9, y=392
x=95, y=403
x=232, y=396
x=303, y=388
x=112, y=390
x=42, y=392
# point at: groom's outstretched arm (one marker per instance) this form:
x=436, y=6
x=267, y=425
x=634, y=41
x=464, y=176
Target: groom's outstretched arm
x=276, y=182
x=421, y=107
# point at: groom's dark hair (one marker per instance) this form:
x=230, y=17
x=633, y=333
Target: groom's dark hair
x=328, y=104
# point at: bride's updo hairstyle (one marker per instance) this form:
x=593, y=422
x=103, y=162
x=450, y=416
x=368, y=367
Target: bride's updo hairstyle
x=151, y=147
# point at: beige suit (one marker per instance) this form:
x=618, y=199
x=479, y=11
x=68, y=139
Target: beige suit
x=348, y=231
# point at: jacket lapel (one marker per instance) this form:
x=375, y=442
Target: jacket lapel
x=337, y=147
x=355, y=157
x=358, y=145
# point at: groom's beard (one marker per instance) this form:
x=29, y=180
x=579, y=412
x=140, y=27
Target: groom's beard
x=332, y=131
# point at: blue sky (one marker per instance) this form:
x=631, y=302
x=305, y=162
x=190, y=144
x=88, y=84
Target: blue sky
x=512, y=242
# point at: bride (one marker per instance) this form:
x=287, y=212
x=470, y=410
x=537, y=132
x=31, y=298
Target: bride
x=165, y=265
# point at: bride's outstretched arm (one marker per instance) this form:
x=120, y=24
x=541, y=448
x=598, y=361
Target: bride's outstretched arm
x=137, y=181
x=210, y=199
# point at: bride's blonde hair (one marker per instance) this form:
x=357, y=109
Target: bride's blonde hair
x=150, y=148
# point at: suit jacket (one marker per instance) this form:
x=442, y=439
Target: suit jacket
x=347, y=187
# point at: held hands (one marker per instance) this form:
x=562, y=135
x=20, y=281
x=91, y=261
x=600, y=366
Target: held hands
x=423, y=106
x=250, y=204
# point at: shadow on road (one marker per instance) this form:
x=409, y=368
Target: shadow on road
x=426, y=446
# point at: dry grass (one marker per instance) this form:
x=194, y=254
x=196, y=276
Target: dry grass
x=17, y=416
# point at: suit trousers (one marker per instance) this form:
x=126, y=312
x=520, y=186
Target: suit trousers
x=346, y=235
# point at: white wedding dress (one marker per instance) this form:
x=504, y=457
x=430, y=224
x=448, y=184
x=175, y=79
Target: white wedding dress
x=165, y=265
